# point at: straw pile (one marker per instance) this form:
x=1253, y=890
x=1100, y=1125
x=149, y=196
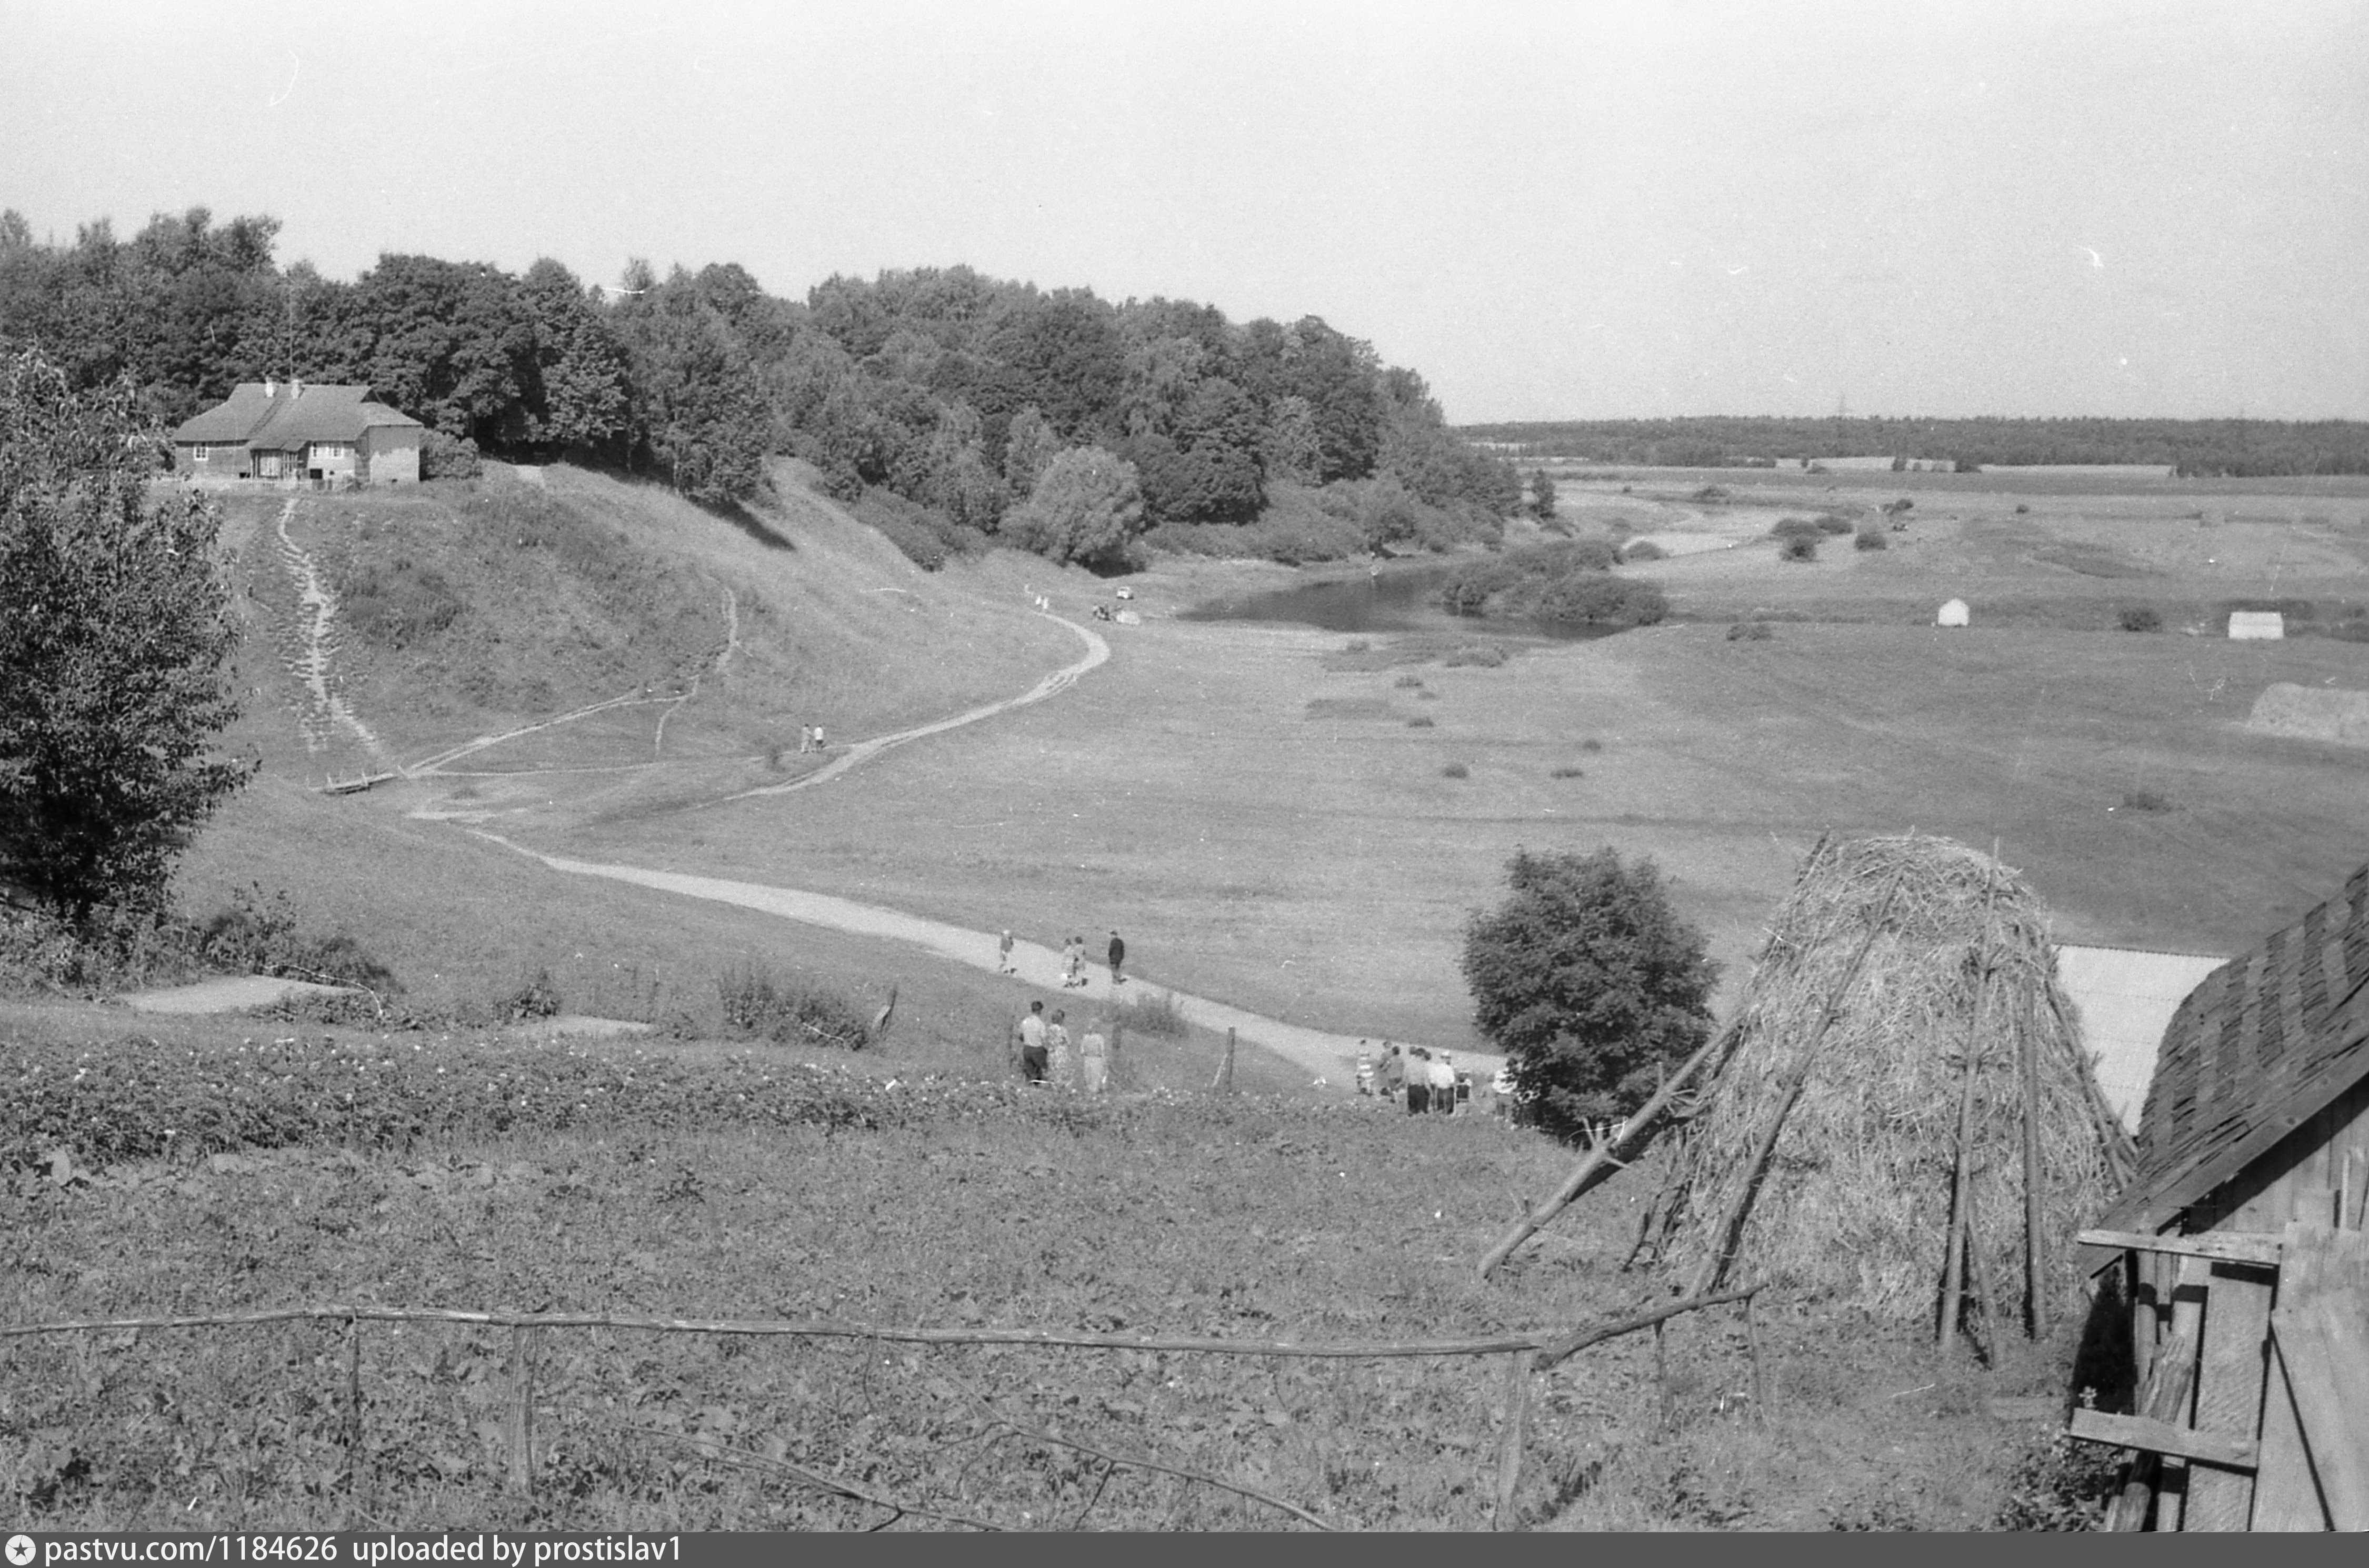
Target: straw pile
x=1854, y=1200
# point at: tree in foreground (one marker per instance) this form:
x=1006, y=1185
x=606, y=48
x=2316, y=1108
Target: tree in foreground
x=115, y=633
x=1589, y=982
x=1542, y=494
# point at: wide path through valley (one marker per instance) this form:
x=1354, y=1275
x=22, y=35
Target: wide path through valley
x=1327, y=1056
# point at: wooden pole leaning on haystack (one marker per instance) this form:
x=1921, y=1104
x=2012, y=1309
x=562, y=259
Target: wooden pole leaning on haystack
x=1731, y=1224
x=2035, y=1262
x=1604, y=1158
x=1957, y=1247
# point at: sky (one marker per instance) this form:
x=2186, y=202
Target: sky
x=1551, y=211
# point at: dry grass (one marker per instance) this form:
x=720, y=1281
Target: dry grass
x=1856, y=1204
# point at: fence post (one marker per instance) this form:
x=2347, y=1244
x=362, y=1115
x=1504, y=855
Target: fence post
x=1759, y=1374
x=522, y=1422
x=1225, y=1083
x=1509, y=1453
x=355, y=1460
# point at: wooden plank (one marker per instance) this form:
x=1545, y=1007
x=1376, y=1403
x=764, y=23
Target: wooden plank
x=2222, y=1246
x=2328, y=1376
x=2163, y=1437
x=2287, y=1498
x=2166, y=1392
x=2229, y=1377
x=2187, y=1327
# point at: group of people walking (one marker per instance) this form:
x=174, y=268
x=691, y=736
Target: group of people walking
x=1429, y=1082
x=1047, y=1056
x=1073, y=960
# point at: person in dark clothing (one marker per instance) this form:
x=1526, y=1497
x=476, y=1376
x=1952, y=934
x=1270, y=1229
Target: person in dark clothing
x=1418, y=1082
x=1118, y=958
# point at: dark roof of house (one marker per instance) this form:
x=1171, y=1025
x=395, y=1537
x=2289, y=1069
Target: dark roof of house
x=2266, y=1042
x=287, y=415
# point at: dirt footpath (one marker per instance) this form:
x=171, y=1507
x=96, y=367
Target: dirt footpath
x=1323, y=1056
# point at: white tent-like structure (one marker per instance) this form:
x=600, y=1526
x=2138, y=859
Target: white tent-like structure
x=1953, y=613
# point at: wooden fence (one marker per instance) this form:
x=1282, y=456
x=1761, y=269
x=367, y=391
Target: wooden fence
x=1525, y=1354
x=2253, y=1410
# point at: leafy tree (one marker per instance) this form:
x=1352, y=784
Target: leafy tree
x=701, y=412
x=584, y=391
x=1028, y=447
x=115, y=633
x=1087, y=508
x=1589, y=982
x=1542, y=494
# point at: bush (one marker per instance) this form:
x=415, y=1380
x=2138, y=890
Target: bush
x=1795, y=528
x=1589, y=982
x=2146, y=800
x=259, y=935
x=2140, y=618
x=1565, y=772
x=445, y=456
x=399, y=605
x=1420, y=721
x=1644, y=550
x=1871, y=539
x=927, y=537
x=1456, y=771
x=1591, y=745
x=1749, y=632
x=1799, y=550
x=535, y=997
x=1830, y=524
x=1408, y=683
x=1087, y=507
x=757, y=1007
x=1482, y=656
x=1603, y=600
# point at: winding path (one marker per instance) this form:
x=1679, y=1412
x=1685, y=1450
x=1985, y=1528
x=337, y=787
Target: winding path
x=1330, y=1058
x=1061, y=680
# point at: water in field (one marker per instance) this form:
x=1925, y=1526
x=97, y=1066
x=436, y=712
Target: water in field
x=1396, y=600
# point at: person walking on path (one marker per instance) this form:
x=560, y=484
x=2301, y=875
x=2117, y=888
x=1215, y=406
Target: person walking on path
x=820, y=745
x=1093, y=1059
x=1418, y=1082
x=1057, y=1048
x=1117, y=958
x=1393, y=1071
x=1004, y=955
x=1032, y=1044
x=1073, y=964
x=805, y=739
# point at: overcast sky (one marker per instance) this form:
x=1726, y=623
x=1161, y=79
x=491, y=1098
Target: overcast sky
x=1571, y=210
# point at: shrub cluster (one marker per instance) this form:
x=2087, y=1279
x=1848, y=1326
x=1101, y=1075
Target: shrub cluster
x=2141, y=618
x=1749, y=632
x=1567, y=581
x=1872, y=539
x=759, y=1007
x=1799, y=549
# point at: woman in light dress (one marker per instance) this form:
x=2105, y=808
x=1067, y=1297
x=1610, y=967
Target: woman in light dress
x=1056, y=1046
x=1093, y=1059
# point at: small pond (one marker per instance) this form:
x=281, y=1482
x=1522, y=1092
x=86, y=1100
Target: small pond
x=1399, y=599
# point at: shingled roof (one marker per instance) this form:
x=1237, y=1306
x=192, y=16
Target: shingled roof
x=285, y=416
x=2265, y=1044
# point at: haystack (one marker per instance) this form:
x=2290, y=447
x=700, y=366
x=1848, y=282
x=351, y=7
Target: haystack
x=1854, y=1199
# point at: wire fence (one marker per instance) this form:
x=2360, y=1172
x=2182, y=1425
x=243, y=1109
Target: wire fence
x=1525, y=1354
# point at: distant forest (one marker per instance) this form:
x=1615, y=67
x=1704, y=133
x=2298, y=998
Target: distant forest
x=941, y=401
x=2204, y=448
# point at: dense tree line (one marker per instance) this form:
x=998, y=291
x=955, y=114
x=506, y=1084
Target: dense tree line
x=962, y=395
x=2214, y=448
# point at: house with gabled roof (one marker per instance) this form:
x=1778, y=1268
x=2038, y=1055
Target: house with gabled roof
x=288, y=432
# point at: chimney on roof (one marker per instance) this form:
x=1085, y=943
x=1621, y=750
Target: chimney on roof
x=270, y=389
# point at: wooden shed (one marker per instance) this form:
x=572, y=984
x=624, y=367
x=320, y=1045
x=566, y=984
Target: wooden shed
x=2241, y=1241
